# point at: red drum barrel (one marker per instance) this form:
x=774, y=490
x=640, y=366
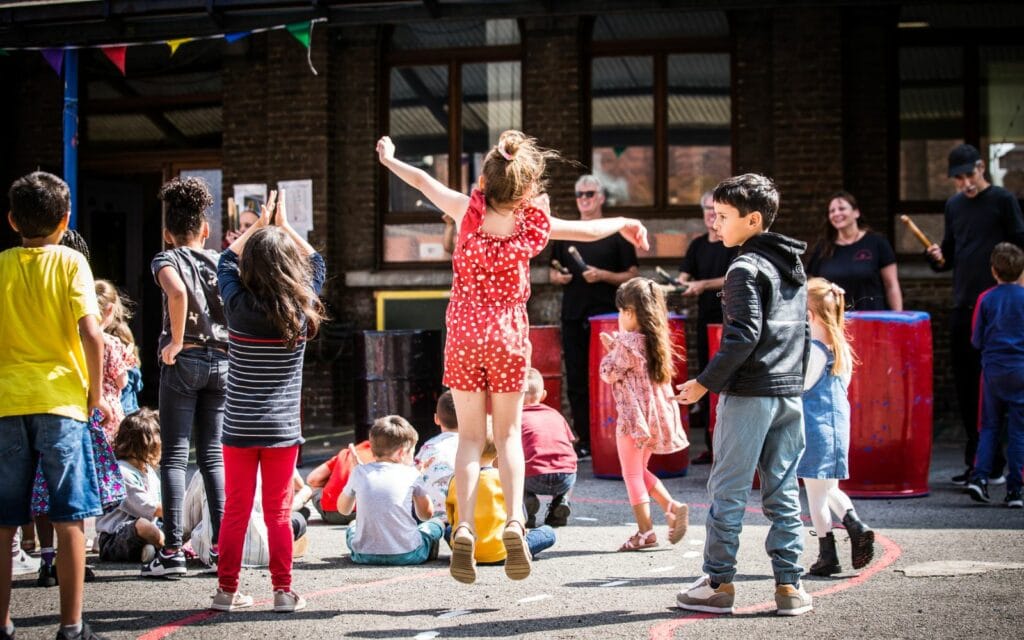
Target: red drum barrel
x=603, y=418
x=890, y=404
x=547, y=358
x=714, y=341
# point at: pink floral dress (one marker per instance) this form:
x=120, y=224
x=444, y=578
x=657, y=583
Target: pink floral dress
x=488, y=346
x=646, y=411
x=117, y=360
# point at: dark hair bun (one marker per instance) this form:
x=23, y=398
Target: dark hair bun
x=190, y=194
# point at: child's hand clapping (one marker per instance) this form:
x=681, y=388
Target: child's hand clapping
x=268, y=211
x=385, y=150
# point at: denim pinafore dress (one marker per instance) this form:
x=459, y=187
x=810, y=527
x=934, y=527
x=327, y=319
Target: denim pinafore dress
x=826, y=425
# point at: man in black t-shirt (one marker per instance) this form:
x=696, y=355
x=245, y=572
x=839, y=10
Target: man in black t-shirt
x=588, y=292
x=703, y=270
x=977, y=218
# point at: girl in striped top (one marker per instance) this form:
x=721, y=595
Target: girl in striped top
x=269, y=280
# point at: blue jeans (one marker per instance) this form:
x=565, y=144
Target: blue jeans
x=430, y=534
x=765, y=434
x=537, y=540
x=557, y=485
x=192, y=395
x=65, y=450
x=1002, y=395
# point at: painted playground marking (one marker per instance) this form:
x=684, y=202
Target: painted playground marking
x=614, y=583
x=692, y=554
x=426, y=635
x=454, y=613
x=663, y=569
x=537, y=598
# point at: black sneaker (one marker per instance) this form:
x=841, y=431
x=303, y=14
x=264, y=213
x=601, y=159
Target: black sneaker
x=85, y=634
x=165, y=566
x=532, y=506
x=996, y=479
x=47, y=576
x=558, y=514
x=978, y=490
x=961, y=480
x=1014, y=500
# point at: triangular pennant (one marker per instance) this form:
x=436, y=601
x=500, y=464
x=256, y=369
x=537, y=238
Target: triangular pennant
x=235, y=37
x=174, y=44
x=116, y=55
x=55, y=57
x=301, y=32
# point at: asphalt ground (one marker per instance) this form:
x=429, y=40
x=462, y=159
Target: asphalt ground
x=945, y=567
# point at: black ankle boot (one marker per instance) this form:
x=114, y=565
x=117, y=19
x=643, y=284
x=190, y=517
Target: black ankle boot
x=862, y=540
x=828, y=560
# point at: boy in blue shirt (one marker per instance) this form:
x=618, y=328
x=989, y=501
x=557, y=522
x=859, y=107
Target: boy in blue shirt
x=758, y=372
x=999, y=335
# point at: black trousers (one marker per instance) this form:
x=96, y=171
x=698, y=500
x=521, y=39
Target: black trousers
x=966, y=362
x=576, y=353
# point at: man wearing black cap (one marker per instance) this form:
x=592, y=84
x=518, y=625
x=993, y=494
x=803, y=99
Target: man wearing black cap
x=977, y=218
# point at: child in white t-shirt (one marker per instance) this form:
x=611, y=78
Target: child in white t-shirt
x=436, y=458
x=387, y=490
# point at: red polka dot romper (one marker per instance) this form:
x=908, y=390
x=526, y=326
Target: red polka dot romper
x=488, y=347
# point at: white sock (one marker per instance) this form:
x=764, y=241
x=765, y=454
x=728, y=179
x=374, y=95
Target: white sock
x=9, y=629
x=72, y=629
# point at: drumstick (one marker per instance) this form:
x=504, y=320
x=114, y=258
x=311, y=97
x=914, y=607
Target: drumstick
x=923, y=239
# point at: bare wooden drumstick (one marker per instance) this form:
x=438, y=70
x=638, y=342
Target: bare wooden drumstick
x=923, y=239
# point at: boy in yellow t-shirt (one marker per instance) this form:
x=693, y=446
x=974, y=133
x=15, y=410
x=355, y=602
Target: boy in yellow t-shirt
x=51, y=363
x=490, y=515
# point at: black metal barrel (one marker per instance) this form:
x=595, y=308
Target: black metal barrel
x=398, y=372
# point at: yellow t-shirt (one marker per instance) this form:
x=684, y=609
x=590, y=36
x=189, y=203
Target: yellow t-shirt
x=44, y=292
x=490, y=515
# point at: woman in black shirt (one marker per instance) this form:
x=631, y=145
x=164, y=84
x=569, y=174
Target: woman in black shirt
x=857, y=259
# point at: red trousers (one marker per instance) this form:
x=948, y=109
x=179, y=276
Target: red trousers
x=275, y=466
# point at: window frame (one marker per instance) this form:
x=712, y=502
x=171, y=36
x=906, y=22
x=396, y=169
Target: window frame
x=658, y=50
x=453, y=59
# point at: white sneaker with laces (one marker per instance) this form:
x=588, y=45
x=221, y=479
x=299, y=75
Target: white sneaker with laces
x=288, y=601
x=24, y=564
x=701, y=596
x=226, y=601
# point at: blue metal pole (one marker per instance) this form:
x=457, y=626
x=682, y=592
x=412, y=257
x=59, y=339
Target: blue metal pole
x=71, y=129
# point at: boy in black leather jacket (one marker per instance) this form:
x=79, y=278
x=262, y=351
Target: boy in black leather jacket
x=759, y=372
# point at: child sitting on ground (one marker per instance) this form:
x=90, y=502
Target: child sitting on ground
x=131, y=533
x=436, y=458
x=387, y=491
x=490, y=515
x=550, y=457
x=330, y=478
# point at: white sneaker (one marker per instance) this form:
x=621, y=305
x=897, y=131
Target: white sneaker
x=288, y=601
x=792, y=600
x=700, y=596
x=225, y=601
x=24, y=564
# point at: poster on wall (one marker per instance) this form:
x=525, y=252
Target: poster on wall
x=249, y=197
x=299, y=202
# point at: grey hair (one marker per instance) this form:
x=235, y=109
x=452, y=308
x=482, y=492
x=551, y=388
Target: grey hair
x=591, y=180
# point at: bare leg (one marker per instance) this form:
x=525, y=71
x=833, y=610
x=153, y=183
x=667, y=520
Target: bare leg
x=71, y=570
x=642, y=513
x=6, y=571
x=471, y=411
x=44, y=531
x=508, y=418
x=149, y=532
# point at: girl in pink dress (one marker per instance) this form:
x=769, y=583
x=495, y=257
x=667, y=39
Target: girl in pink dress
x=501, y=225
x=118, y=352
x=639, y=367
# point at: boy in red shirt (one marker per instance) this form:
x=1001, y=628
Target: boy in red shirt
x=330, y=478
x=550, y=457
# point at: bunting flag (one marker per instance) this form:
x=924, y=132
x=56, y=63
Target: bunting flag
x=116, y=55
x=174, y=44
x=55, y=57
x=301, y=31
x=235, y=37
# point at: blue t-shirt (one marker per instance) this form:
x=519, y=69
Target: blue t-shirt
x=999, y=329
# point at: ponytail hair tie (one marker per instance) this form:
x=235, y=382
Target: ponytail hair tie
x=504, y=154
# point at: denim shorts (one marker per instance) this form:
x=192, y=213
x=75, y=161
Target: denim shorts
x=65, y=449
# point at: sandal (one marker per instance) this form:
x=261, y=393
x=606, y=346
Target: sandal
x=463, y=562
x=680, y=522
x=517, y=558
x=639, y=541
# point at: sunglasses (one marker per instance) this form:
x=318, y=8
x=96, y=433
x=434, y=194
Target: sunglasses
x=586, y=194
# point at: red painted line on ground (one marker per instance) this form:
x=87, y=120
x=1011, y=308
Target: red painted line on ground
x=172, y=627
x=666, y=630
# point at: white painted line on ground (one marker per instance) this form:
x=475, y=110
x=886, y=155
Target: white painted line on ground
x=454, y=613
x=537, y=598
x=695, y=542
x=691, y=554
x=426, y=635
x=614, y=583
x=663, y=569
x=629, y=524
x=583, y=519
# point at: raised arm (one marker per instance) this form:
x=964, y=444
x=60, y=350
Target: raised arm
x=238, y=245
x=590, y=230
x=449, y=201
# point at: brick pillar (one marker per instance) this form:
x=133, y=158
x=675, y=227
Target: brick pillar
x=753, y=129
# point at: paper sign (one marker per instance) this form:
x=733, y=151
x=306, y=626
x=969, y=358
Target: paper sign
x=298, y=196
x=249, y=197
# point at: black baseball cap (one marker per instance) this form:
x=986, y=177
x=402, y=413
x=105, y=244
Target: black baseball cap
x=962, y=160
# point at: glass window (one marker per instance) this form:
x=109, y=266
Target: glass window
x=491, y=103
x=622, y=133
x=1002, y=119
x=419, y=126
x=699, y=125
x=415, y=243
x=436, y=34
x=931, y=119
